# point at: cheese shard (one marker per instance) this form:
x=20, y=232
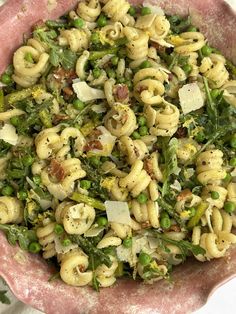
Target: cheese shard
x=86, y=93
x=190, y=97
x=154, y=8
x=8, y=134
x=93, y=231
x=145, y=21
x=118, y=212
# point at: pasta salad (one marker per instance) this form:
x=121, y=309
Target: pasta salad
x=117, y=144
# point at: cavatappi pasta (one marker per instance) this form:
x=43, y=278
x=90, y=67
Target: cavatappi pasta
x=117, y=144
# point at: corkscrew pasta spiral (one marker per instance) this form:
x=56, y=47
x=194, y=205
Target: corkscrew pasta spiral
x=117, y=10
x=89, y=11
x=74, y=266
x=189, y=42
x=222, y=192
x=46, y=236
x=133, y=149
x=137, y=180
x=213, y=68
x=27, y=73
x=209, y=167
x=76, y=218
x=137, y=47
x=77, y=39
x=11, y=210
x=47, y=142
x=120, y=120
x=146, y=213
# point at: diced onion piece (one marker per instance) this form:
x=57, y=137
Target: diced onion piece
x=8, y=134
x=86, y=93
x=190, y=97
x=118, y=212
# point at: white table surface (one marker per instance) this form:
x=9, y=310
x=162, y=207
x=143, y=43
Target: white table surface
x=223, y=301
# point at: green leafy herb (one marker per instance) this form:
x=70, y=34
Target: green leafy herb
x=4, y=148
x=170, y=210
x=89, y=249
x=185, y=247
x=19, y=234
x=171, y=166
x=4, y=298
x=64, y=57
x=179, y=24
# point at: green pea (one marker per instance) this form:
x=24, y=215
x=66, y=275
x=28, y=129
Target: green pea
x=142, y=198
x=116, y=153
x=58, y=229
x=229, y=207
x=206, y=50
x=37, y=180
x=215, y=195
x=144, y=259
x=78, y=104
x=232, y=162
x=192, y=29
x=85, y=184
x=95, y=161
x=135, y=135
x=66, y=242
x=143, y=130
x=215, y=93
x=164, y=214
x=132, y=11
x=102, y=21
x=146, y=11
x=96, y=73
x=200, y=137
x=15, y=121
x=165, y=223
x=34, y=247
x=27, y=160
x=111, y=73
x=145, y=64
x=121, y=80
x=95, y=39
x=102, y=221
x=142, y=121
x=187, y=68
x=7, y=190
x=78, y=23
x=6, y=79
x=114, y=60
x=22, y=195
x=127, y=242
x=233, y=141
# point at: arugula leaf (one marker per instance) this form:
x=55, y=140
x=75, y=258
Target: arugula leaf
x=170, y=210
x=89, y=249
x=19, y=234
x=179, y=24
x=3, y=298
x=211, y=107
x=171, y=166
x=64, y=57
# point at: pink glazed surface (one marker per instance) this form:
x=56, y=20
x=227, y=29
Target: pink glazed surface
x=27, y=275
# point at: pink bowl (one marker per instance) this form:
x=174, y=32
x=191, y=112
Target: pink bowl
x=27, y=275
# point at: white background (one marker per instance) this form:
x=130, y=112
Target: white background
x=223, y=299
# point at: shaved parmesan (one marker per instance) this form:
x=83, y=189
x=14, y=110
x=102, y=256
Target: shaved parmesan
x=153, y=242
x=8, y=134
x=190, y=97
x=44, y=204
x=107, y=140
x=118, y=212
x=61, y=249
x=99, y=108
x=154, y=8
x=93, y=231
x=86, y=93
x=123, y=254
x=145, y=21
